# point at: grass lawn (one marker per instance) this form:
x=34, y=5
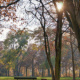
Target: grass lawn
x=62, y=78
x=39, y=78
x=6, y=78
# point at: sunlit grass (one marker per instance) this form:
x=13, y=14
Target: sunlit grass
x=6, y=77
x=62, y=78
x=39, y=78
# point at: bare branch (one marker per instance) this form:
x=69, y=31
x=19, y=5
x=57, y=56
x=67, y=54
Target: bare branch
x=69, y=20
x=9, y=4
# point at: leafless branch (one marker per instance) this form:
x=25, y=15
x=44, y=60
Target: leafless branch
x=9, y=4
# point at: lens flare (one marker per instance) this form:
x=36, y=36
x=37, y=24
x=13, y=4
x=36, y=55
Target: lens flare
x=59, y=5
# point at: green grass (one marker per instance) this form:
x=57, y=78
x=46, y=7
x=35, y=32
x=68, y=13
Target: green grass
x=62, y=78
x=6, y=78
x=39, y=78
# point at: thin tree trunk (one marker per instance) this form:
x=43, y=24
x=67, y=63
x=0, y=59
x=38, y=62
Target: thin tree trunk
x=79, y=72
x=8, y=72
x=62, y=70
x=58, y=43
x=33, y=67
x=72, y=56
x=26, y=71
x=66, y=70
x=69, y=71
x=47, y=48
x=19, y=70
x=49, y=72
x=16, y=70
x=13, y=72
x=42, y=72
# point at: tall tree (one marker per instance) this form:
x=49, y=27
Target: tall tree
x=58, y=45
x=72, y=51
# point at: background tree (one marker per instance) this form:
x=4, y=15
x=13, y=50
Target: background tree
x=15, y=44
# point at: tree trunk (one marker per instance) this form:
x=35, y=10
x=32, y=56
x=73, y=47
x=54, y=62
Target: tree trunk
x=76, y=29
x=79, y=72
x=16, y=71
x=49, y=72
x=19, y=70
x=26, y=71
x=63, y=70
x=47, y=47
x=47, y=50
x=60, y=72
x=8, y=72
x=66, y=70
x=33, y=67
x=58, y=43
x=42, y=72
x=69, y=71
x=72, y=56
x=69, y=6
x=13, y=72
x=16, y=68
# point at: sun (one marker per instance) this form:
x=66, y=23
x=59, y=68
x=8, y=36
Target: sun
x=59, y=5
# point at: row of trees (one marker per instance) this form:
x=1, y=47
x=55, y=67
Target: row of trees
x=17, y=53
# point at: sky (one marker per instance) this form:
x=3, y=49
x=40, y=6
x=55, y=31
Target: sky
x=3, y=34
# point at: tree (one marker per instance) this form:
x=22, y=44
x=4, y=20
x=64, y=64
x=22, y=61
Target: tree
x=15, y=45
x=29, y=60
x=74, y=16
x=72, y=51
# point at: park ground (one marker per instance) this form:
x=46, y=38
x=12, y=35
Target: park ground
x=39, y=78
